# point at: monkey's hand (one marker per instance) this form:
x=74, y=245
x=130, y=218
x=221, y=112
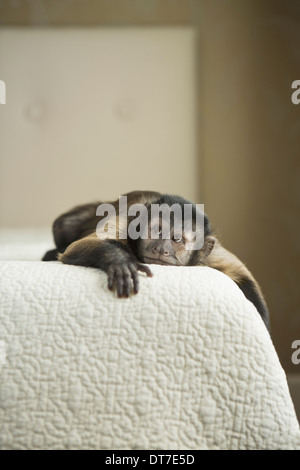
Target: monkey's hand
x=124, y=275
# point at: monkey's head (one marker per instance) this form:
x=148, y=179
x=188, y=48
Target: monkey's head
x=177, y=234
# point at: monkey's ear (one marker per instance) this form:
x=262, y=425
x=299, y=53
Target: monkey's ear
x=209, y=243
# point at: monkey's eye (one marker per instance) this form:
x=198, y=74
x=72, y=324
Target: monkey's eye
x=156, y=229
x=177, y=239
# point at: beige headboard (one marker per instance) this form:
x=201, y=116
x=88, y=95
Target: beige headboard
x=92, y=113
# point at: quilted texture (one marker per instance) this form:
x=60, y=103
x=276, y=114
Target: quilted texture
x=185, y=364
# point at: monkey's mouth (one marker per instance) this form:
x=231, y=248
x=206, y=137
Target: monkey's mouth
x=161, y=261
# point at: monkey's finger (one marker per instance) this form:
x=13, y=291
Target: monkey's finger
x=144, y=269
x=127, y=283
x=118, y=277
x=119, y=284
x=110, y=279
x=123, y=281
x=135, y=277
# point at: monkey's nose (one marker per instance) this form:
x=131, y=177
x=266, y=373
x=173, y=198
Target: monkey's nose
x=162, y=250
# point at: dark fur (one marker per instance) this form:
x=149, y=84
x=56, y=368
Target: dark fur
x=249, y=288
x=76, y=241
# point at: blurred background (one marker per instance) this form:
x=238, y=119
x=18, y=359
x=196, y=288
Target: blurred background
x=188, y=97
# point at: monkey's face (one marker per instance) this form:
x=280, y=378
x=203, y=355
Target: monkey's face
x=172, y=234
x=165, y=246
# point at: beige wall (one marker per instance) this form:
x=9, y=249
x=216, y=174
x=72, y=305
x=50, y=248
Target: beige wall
x=249, y=130
x=251, y=146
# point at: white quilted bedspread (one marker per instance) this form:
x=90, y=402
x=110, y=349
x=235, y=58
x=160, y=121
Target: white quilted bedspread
x=185, y=364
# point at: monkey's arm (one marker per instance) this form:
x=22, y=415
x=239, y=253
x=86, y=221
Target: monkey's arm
x=110, y=256
x=70, y=226
x=82, y=220
x=229, y=264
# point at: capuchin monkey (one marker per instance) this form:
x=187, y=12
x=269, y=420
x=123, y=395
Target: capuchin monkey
x=79, y=241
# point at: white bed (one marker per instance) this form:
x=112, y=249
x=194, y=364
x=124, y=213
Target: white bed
x=185, y=364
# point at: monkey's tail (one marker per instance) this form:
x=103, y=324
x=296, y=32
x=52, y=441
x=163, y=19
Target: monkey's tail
x=252, y=292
